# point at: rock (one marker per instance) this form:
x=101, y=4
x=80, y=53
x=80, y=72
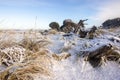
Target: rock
x=111, y=23
x=67, y=26
x=83, y=33
x=67, y=21
x=70, y=26
x=54, y=25
x=92, y=31
x=96, y=57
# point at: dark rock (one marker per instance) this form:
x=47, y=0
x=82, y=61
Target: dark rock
x=68, y=34
x=95, y=57
x=92, y=31
x=83, y=33
x=54, y=25
x=67, y=21
x=68, y=26
x=111, y=23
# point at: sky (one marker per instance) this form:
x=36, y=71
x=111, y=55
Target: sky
x=37, y=14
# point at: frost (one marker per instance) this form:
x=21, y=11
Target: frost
x=74, y=66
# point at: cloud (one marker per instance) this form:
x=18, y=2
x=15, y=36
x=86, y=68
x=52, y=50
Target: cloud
x=107, y=10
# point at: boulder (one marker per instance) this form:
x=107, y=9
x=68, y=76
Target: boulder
x=111, y=23
x=54, y=25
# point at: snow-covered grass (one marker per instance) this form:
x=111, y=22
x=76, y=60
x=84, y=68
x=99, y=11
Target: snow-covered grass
x=30, y=55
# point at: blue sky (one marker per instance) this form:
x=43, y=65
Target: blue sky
x=21, y=14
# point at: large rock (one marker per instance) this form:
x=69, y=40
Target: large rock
x=111, y=23
x=54, y=25
x=67, y=26
x=66, y=21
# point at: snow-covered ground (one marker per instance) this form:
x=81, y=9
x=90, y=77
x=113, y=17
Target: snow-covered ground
x=74, y=67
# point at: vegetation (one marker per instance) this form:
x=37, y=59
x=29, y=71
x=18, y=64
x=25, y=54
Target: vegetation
x=28, y=55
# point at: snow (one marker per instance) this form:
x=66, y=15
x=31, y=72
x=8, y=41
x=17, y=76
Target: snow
x=74, y=67
x=73, y=71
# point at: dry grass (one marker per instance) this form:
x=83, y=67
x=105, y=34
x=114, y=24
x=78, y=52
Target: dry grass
x=53, y=31
x=100, y=32
x=61, y=56
x=33, y=45
x=33, y=60
x=12, y=55
x=113, y=29
x=113, y=55
x=36, y=63
x=6, y=41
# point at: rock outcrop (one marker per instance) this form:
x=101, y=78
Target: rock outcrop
x=111, y=23
x=54, y=25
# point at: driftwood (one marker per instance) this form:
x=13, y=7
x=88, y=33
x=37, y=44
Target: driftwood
x=98, y=56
